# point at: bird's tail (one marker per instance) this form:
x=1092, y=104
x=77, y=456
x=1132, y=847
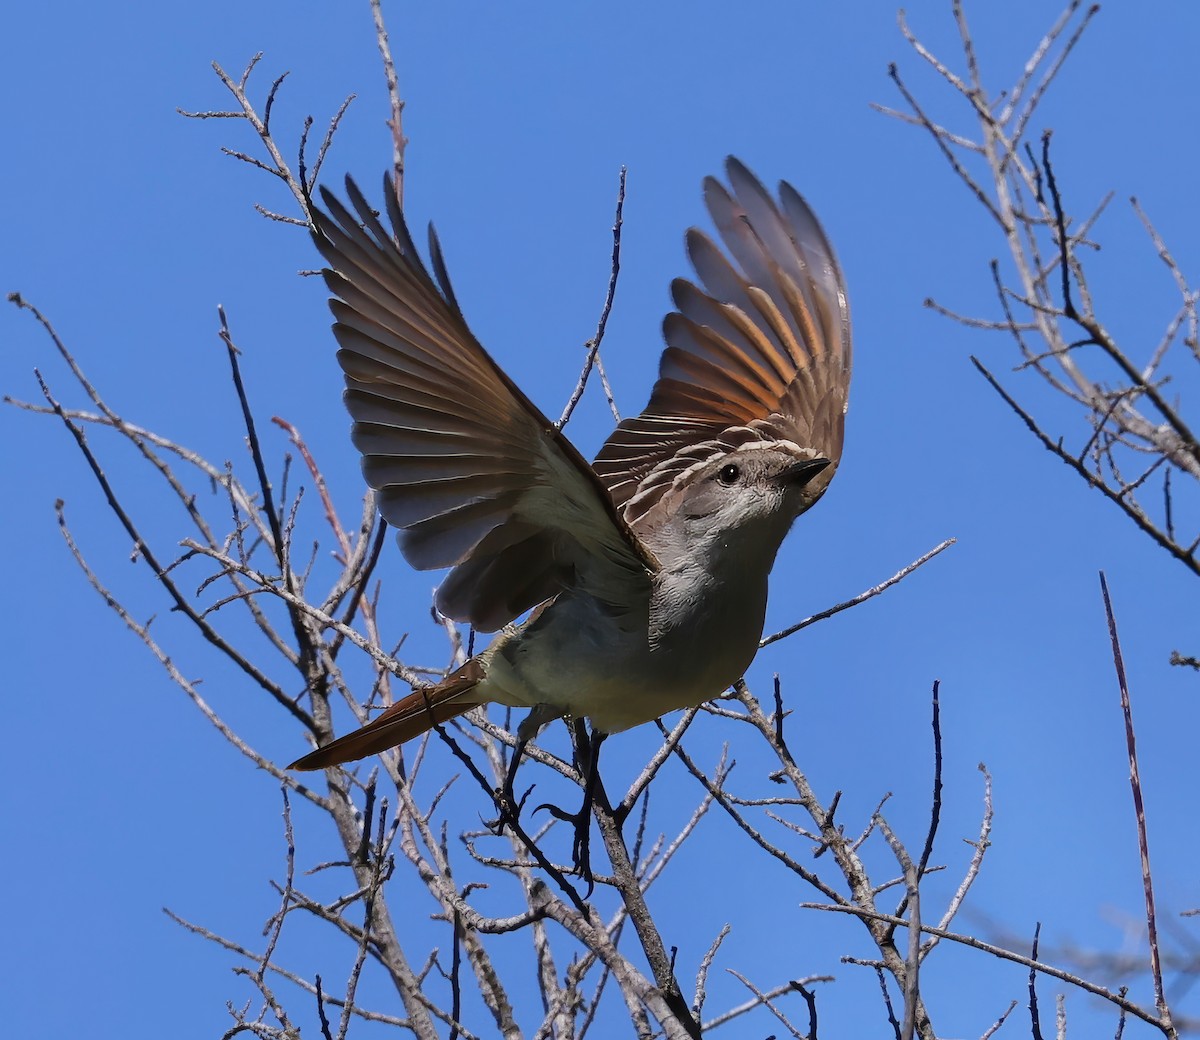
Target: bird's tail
x=421, y=710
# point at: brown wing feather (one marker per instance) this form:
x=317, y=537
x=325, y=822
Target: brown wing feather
x=472, y=474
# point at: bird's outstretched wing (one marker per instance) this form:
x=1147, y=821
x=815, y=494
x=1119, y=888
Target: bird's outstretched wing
x=472, y=474
x=759, y=351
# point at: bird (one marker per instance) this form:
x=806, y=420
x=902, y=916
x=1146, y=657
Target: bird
x=644, y=574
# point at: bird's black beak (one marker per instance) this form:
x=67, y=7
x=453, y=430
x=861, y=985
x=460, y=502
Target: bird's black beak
x=800, y=473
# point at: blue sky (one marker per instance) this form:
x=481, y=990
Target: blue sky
x=126, y=225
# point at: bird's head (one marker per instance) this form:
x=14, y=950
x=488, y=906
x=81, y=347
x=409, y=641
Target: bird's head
x=753, y=491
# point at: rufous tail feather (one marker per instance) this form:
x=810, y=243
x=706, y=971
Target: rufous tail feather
x=420, y=711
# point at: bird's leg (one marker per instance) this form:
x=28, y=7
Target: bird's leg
x=509, y=806
x=589, y=749
x=587, y=761
x=507, y=802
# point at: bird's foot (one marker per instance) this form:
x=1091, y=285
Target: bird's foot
x=508, y=805
x=508, y=808
x=587, y=755
x=581, y=857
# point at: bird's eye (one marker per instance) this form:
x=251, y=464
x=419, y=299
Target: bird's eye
x=729, y=474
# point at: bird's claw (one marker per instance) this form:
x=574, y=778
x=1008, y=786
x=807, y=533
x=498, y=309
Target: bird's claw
x=581, y=845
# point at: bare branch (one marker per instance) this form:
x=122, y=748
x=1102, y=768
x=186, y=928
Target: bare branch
x=395, y=120
x=593, y=344
x=996, y=951
x=1135, y=784
x=861, y=597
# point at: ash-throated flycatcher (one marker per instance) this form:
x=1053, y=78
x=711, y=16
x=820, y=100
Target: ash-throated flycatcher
x=648, y=569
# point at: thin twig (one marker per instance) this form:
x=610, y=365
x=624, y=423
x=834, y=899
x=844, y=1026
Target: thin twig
x=593, y=345
x=1139, y=809
x=870, y=593
x=1035, y=1023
